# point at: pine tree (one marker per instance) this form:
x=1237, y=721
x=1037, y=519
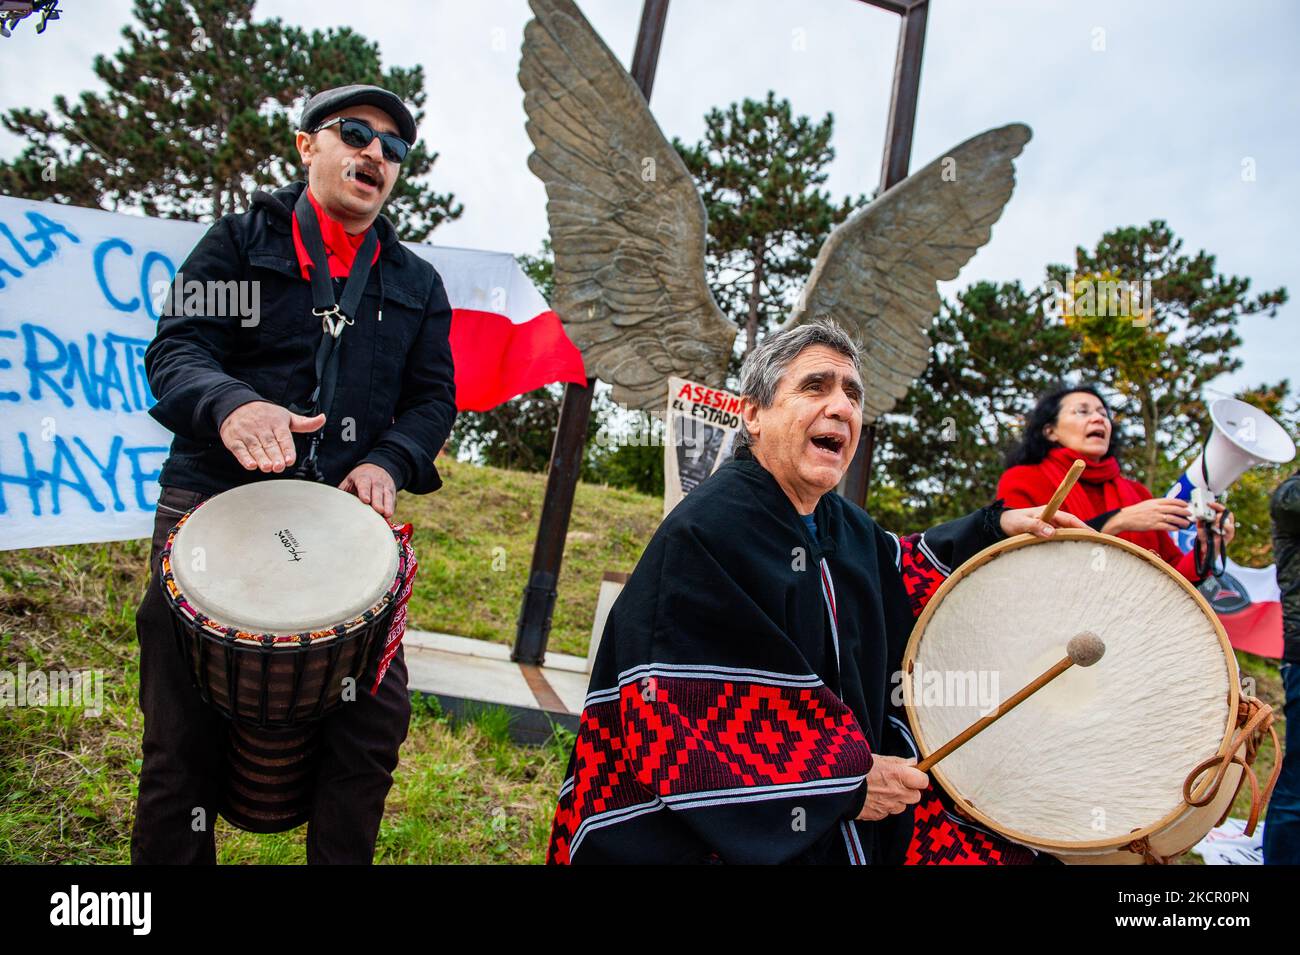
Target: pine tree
x=1159, y=356
x=200, y=110
x=758, y=169
x=942, y=447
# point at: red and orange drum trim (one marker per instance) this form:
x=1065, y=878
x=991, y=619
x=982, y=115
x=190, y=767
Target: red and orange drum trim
x=305, y=638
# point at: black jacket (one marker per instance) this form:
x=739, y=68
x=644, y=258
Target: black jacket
x=395, y=399
x=1284, y=508
x=723, y=704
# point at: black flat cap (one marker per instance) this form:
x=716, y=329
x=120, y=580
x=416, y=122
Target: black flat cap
x=327, y=102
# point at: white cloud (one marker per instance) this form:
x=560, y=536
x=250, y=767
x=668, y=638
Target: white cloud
x=1154, y=126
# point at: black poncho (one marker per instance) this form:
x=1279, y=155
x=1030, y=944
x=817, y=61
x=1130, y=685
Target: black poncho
x=744, y=680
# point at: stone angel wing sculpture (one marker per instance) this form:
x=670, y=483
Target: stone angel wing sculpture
x=876, y=272
x=628, y=230
x=627, y=224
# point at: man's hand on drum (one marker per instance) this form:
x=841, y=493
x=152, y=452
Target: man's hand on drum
x=893, y=784
x=374, y=486
x=1028, y=520
x=260, y=435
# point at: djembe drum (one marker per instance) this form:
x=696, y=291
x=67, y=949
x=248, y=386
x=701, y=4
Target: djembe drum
x=1133, y=759
x=281, y=593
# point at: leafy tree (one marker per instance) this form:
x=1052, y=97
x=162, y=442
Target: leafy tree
x=758, y=168
x=1249, y=497
x=1161, y=356
x=630, y=455
x=200, y=110
x=942, y=447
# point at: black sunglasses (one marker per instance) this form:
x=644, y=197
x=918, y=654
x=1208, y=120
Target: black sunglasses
x=358, y=134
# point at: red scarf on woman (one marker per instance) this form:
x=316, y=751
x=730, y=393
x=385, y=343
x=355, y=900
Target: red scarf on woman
x=1116, y=490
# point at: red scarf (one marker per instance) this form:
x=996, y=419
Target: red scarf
x=340, y=247
x=1116, y=490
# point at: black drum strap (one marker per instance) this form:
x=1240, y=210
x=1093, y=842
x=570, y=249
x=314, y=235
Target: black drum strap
x=334, y=316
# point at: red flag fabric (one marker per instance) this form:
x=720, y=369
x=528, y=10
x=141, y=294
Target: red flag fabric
x=505, y=339
x=497, y=359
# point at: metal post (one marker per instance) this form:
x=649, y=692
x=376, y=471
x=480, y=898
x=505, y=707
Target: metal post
x=534, y=626
x=897, y=156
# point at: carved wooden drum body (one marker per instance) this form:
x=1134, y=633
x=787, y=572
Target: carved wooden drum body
x=281, y=593
x=1091, y=767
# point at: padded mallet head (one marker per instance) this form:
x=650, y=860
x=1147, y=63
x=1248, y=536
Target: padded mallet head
x=1085, y=648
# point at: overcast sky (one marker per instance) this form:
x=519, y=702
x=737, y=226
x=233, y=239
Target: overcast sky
x=1139, y=111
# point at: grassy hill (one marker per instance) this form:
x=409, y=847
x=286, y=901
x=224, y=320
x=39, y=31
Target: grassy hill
x=463, y=792
x=475, y=537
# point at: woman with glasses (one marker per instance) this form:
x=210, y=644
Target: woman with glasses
x=1071, y=423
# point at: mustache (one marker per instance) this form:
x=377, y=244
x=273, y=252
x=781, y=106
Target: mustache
x=367, y=169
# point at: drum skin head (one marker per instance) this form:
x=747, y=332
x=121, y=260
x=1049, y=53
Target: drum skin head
x=284, y=556
x=1100, y=751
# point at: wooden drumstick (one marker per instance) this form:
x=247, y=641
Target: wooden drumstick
x=1067, y=483
x=1084, y=648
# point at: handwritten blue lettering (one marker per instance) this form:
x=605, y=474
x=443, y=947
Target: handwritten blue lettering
x=6, y=363
x=107, y=471
x=62, y=453
x=122, y=361
x=45, y=230
x=75, y=468
x=146, y=269
x=31, y=481
x=101, y=251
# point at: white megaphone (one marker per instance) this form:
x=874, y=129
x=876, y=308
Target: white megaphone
x=1242, y=437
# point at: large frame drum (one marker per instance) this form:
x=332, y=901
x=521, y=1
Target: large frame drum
x=1091, y=768
x=282, y=592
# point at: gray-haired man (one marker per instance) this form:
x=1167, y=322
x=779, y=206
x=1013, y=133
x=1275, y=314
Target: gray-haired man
x=739, y=706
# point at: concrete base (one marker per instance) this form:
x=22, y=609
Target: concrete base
x=468, y=675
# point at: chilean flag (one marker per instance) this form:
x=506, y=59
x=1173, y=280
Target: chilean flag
x=1246, y=599
x=505, y=339
x=1249, y=603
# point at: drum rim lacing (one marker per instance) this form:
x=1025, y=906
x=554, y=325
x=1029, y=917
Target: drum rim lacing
x=1254, y=719
x=226, y=634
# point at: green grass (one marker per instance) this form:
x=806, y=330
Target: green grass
x=474, y=539
x=463, y=792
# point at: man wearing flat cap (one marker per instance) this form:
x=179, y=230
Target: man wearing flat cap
x=266, y=399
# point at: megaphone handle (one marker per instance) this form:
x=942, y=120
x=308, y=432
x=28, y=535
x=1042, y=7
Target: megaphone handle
x=1212, y=557
x=1219, y=556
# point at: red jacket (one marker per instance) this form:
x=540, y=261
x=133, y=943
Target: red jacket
x=1032, y=485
